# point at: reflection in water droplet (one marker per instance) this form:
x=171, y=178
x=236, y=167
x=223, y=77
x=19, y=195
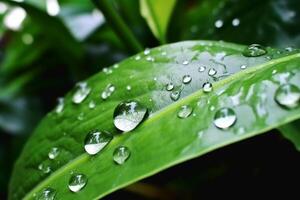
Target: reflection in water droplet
x=288, y=96
x=175, y=95
x=254, y=50
x=212, y=72
x=77, y=182
x=95, y=141
x=169, y=86
x=212, y=108
x=92, y=104
x=235, y=22
x=53, y=153
x=207, y=87
x=81, y=93
x=46, y=194
x=60, y=106
x=243, y=66
x=219, y=23
x=224, y=118
x=185, y=111
x=186, y=79
x=201, y=69
x=185, y=62
x=128, y=115
x=121, y=154
x=115, y=66
x=108, y=91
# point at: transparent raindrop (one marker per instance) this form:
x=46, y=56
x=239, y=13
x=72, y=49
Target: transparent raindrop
x=185, y=111
x=288, y=96
x=60, y=105
x=201, y=69
x=95, y=141
x=169, y=87
x=254, y=50
x=207, y=87
x=138, y=57
x=147, y=51
x=225, y=118
x=243, y=66
x=108, y=91
x=186, y=79
x=128, y=87
x=81, y=93
x=92, y=104
x=53, y=153
x=185, y=62
x=46, y=194
x=212, y=72
x=45, y=168
x=121, y=154
x=80, y=116
x=235, y=22
x=77, y=182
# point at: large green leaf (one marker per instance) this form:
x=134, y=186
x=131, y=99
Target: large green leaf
x=163, y=140
x=292, y=133
x=157, y=14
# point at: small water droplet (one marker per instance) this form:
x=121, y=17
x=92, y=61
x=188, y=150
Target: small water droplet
x=80, y=117
x=108, y=91
x=150, y=59
x=274, y=71
x=107, y=70
x=207, y=87
x=185, y=111
x=289, y=49
x=212, y=108
x=45, y=168
x=169, y=86
x=81, y=93
x=200, y=134
x=77, y=182
x=185, y=62
x=163, y=53
x=60, y=105
x=128, y=87
x=121, y=154
x=225, y=118
x=243, y=66
x=288, y=96
x=92, y=104
x=53, y=153
x=186, y=79
x=27, y=38
x=46, y=194
x=201, y=68
x=235, y=22
x=128, y=115
x=138, y=57
x=254, y=50
x=115, y=66
x=147, y=51
x=212, y=72
x=95, y=141
x=175, y=95
x=219, y=23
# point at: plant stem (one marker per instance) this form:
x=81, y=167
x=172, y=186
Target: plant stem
x=118, y=25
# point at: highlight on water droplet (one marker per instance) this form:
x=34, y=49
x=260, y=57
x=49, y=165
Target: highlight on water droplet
x=46, y=194
x=186, y=79
x=235, y=22
x=128, y=115
x=121, y=154
x=288, y=96
x=77, y=182
x=128, y=87
x=185, y=111
x=81, y=93
x=254, y=50
x=147, y=51
x=53, y=153
x=108, y=91
x=243, y=66
x=225, y=118
x=207, y=87
x=95, y=141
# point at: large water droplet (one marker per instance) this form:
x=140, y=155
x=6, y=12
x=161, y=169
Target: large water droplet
x=60, y=106
x=77, y=182
x=254, y=50
x=175, y=95
x=46, y=194
x=169, y=86
x=81, y=93
x=207, y=87
x=108, y=91
x=128, y=115
x=95, y=141
x=121, y=154
x=225, y=118
x=186, y=79
x=185, y=111
x=212, y=72
x=53, y=153
x=288, y=96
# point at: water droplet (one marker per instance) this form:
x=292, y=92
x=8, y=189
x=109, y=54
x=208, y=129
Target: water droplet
x=77, y=182
x=150, y=59
x=235, y=22
x=201, y=68
x=121, y=154
x=92, y=104
x=200, y=134
x=254, y=50
x=274, y=71
x=243, y=66
x=185, y=111
x=288, y=96
x=53, y=153
x=185, y=62
x=95, y=141
x=108, y=91
x=107, y=70
x=60, y=105
x=46, y=194
x=207, y=87
x=128, y=115
x=224, y=118
x=45, y=168
x=81, y=93
x=138, y=57
x=212, y=108
x=186, y=79
x=147, y=51
x=80, y=117
x=219, y=23
x=169, y=86
x=27, y=38
x=128, y=87
x=212, y=72
x=115, y=66
x=163, y=53
x=175, y=95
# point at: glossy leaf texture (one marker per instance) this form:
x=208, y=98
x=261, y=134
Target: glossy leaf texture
x=157, y=14
x=245, y=85
x=291, y=132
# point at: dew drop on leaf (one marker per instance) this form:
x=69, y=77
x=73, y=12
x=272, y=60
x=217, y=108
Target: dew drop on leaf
x=45, y=168
x=128, y=115
x=95, y=141
x=77, y=182
x=225, y=118
x=53, y=153
x=185, y=62
x=147, y=51
x=60, y=105
x=138, y=57
x=186, y=79
x=108, y=91
x=92, y=104
x=201, y=69
x=207, y=87
x=254, y=50
x=81, y=93
x=121, y=154
x=175, y=95
x=169, y=86
x=243, y=66
x=128, y=87
x=235, y=22
x=46, y=194
x=185, y=111
x=288, y=96
x=212, y=72
x=219, y=23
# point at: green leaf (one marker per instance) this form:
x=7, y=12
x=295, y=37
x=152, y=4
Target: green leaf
x=157, y=14
x=291, y=132
x=163, y=139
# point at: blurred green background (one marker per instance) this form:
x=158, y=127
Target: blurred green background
x=46, y=46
